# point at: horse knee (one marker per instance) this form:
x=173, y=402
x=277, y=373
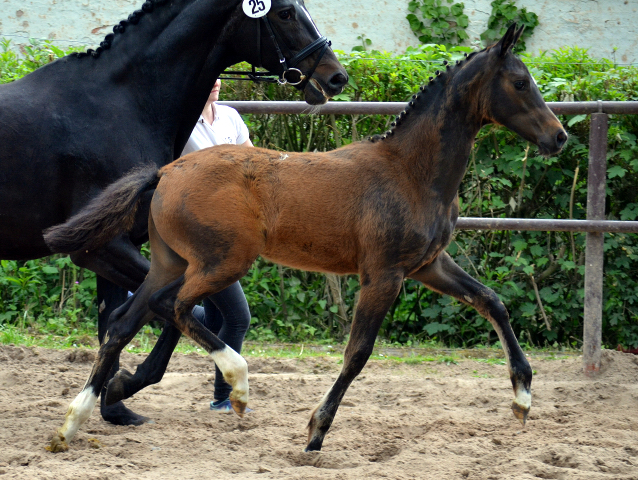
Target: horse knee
x=121, y=328
x=492, y=307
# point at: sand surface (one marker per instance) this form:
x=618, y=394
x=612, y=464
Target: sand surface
x=397, y=421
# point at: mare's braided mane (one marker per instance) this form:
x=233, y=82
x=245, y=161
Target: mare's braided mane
x=439, y=76
x=133, y=19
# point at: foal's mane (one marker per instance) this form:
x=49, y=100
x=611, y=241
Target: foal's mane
x=435, y=85
x=133, y=19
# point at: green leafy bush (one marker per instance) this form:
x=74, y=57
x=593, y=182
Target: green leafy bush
x=437, y=22
x=505, y=178
x=504, y=13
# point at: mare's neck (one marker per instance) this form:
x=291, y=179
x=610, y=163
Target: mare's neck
x=167, y=64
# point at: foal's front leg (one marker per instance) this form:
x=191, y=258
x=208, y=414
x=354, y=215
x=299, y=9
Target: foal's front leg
x=377, y=295
x=445, y=276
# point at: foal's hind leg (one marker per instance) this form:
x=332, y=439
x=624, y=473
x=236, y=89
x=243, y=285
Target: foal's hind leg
x=129, y=319
x=375, y=300
x=179, y=297
x=445, y=276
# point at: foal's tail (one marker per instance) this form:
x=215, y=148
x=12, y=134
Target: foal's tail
x=108, y=215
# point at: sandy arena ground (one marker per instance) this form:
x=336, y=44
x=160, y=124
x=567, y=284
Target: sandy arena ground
x=397, y=421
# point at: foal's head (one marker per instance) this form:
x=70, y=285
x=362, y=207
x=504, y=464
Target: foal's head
x=514, y=100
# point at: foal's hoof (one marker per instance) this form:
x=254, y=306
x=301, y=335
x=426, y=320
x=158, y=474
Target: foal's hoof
x=238, y=406
x=116, y=389
x=58, y=444
x=520, y=412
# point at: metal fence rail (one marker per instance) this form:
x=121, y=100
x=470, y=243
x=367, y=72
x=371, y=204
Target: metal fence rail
x=546, y=225
x=595, y=226
x=393, y=108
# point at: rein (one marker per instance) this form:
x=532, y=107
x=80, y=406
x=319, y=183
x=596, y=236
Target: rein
x=268, y=77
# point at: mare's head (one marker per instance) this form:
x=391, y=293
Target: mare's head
x=512, y=97
x=288, y=32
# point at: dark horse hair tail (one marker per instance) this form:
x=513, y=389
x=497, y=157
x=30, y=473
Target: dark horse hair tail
x=108, y=215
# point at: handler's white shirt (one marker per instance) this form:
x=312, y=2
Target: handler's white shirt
x=227, y=127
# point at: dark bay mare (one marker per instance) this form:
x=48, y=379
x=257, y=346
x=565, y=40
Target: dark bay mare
x=78, y=124
x=384, y=209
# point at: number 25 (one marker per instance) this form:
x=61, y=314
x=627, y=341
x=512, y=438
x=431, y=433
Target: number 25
x=258, y=6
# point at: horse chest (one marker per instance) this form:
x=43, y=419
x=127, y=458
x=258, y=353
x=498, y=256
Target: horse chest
x=433, y=239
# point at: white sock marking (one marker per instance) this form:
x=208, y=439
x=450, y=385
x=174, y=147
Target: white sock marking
x=523, y=398
x=79, y=411
x=235, y=370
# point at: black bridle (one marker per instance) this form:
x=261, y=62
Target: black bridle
x=288, y=68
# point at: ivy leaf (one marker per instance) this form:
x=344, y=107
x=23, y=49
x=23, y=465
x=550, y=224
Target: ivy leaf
x=616, y=171
x=436, y=327
x=412, y=6
x=575, y=119
x=415, y=23
x=536, y=250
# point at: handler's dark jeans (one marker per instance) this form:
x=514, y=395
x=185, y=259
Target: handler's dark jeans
x=226, y=314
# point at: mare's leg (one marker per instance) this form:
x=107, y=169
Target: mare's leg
x=377, y=294
x=109, y=297
x=445, y=276
x=124, y=384
x=120, y=267
x=119, y=261
x=128, y=320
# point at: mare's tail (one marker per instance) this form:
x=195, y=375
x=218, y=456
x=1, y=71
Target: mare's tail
x=108, y=215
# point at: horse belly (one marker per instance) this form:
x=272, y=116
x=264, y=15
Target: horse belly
x=21, y=224
x=336, y=256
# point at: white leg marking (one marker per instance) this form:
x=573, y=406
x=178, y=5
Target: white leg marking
x=235, y=370
x=523, y=398
x=78, y=413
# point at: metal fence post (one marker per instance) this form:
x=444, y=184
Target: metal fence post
x=596, y=184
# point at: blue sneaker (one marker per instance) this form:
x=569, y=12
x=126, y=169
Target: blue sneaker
x=224, y=406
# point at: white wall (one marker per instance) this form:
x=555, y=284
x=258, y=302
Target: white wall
x=599, y=25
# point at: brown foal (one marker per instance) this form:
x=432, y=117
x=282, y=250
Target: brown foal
x=384, y=209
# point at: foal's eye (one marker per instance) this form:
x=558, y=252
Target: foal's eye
x=520, y=85
x=285, y=15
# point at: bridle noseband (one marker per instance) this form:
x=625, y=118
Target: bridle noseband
x=288, y=68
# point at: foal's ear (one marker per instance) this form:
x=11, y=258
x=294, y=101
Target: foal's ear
x=509, y=39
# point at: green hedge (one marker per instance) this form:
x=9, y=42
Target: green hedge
x=505, y=178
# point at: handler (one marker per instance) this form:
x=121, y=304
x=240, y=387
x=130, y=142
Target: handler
x=225, y=313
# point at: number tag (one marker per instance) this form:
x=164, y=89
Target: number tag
x=256, y=8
